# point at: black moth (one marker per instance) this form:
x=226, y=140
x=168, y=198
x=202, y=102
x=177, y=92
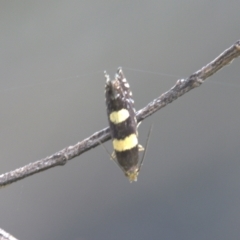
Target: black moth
x=123, y=125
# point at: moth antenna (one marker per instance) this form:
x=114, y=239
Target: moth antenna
x=112, y=157
x=146, y=146
x=103, y=146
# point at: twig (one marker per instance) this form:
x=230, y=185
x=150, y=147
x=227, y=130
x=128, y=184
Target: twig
x=6, y=236
x=181, y=87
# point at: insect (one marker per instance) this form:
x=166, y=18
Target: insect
x=123, y=125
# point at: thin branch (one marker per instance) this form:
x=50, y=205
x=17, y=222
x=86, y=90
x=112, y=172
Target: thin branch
x=6, y=236
x=181, y=87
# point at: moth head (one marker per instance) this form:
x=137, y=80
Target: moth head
x=132, y=174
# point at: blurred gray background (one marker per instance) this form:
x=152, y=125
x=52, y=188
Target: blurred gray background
x=53, y=54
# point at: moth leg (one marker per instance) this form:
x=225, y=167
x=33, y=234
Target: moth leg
x=113, y=156
x=137, y=128
x=140, y=148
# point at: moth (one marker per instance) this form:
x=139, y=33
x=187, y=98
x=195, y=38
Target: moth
x=123, y=125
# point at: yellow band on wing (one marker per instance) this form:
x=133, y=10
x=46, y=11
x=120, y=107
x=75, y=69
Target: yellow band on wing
x=119, y=116
x=125, y=144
